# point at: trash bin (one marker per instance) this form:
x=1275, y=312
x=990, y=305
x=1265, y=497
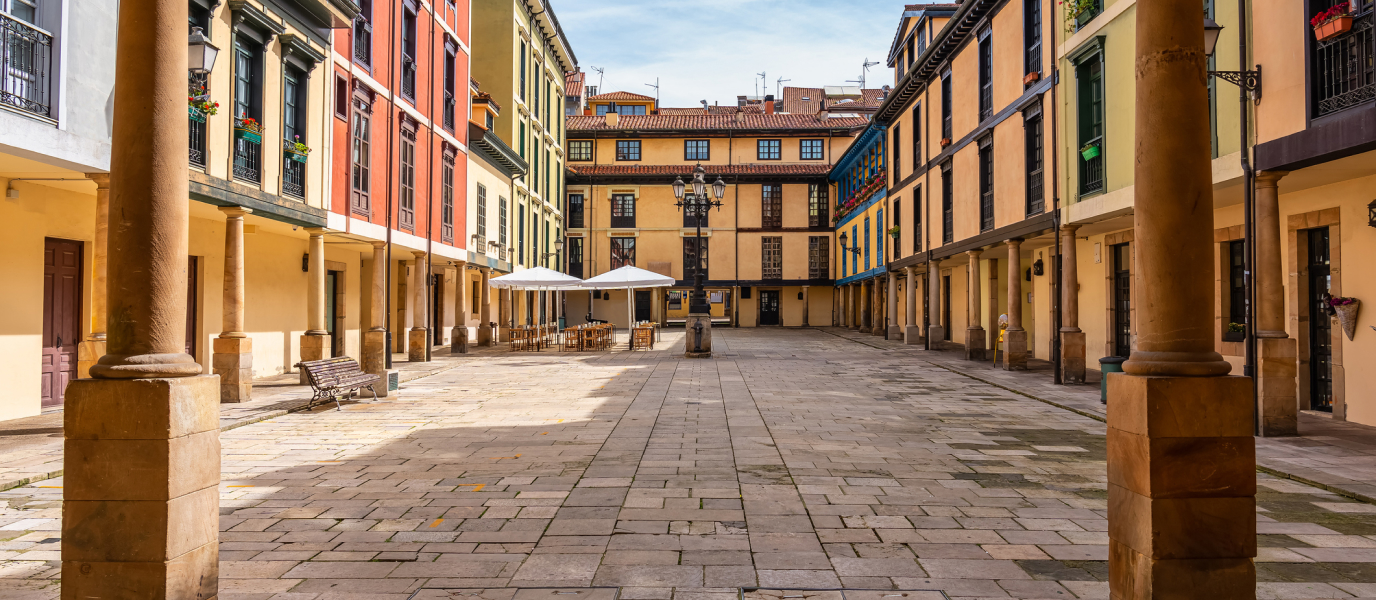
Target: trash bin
x=1108, y=364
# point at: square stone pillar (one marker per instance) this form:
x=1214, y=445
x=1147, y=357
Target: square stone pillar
x=233, y=362
x=1277, y=360
x=807, y=297
x=877, y=307
x=1181, y=487
x=866, y=312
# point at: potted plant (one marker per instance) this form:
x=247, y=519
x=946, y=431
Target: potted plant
x=1079, y=12
x=1236, y=332
x=200, y=106
x=296, y=150
x=945, y=142
x=248, y=129
x=1031, y=78
x=1346, y=310
x=1089, y=152
x=1332, y=22
x=894, y=231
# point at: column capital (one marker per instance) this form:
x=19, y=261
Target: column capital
x=974, y=253
x=1014, y=241
x=316, y=231
x=235, y=211
x=1270, y=178
x=1069, y=228
x=379, y=245
x=102, y=180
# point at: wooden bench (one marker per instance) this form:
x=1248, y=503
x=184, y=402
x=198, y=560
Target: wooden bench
x=332, y=377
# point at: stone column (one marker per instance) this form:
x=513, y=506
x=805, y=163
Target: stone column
x=1072, y=339
x=418, y=346
x=93, y=347
x=935, y=332
x=459, y=345
x=375, y=338
x=866, y=310
x=316, y=340
x=1277, y=354
x=506, y=299
x=1181, y=469
x=140, y=500
x=895, y=329
x=1015, y=337
x=912, y=332
x=807, y=297
x=485, y=308
x=233, y=349
x=974, y=332
x=877, y=306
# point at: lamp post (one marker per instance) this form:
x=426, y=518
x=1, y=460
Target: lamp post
x=698, y=343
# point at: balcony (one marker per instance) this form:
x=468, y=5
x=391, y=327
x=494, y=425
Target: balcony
x=197, y=141
x=363, y=42
x=248, y=161
x=1344, y=72
x=449, y=111
x=1092, y=169
x=293, y=175
x=408, y=77
x=28, y=63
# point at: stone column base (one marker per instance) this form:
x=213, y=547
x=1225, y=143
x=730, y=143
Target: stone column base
x=1181, y=487
x=1015, y=350
x=974, y=344
x=912, y=335
x=87, y=353
x=1073, y=356
x=692, y=346
x=459, y=345
x=937, y=334
x=895, y=331
x=232, y=360
x=504, y=334
x=1278, y=361
x=484, y=335
x=418, y=342
x=140, y=510
x=313, y=347
x=375, y=358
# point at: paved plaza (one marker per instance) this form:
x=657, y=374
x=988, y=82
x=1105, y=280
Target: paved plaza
x=793, y=459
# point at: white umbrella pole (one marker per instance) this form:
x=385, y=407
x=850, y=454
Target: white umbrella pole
x=630, y=314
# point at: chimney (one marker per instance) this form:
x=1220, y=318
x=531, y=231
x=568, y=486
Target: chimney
x=769, y=104
x=740, y=115
x=613, y=119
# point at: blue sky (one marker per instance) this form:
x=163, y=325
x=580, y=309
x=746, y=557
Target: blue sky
x=712, y=49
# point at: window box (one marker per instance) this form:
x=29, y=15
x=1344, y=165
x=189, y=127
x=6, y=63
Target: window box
x=894, y=232
x=1333, y=28
x=248, y=130
x=1031, y=78
x=295, y=150
x=1090, y=152
x=195, y=115
x=945, y=142
x=1234, y=336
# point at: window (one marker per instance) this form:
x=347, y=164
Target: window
x=1032, y=133
x=293, y=129
x=917, y=137
x=360, y=157
x=1237, y=290
x=341, y=98
x=697, y=150
x=501, y=221
x=623, y=252
x=408, y=53
x=1089, y=78
x=623, y=210
x=521, y=143
x=986, y=76
x=897, y=150
x=946, y=106
x=575, y=248
x=854, y=256
x=691, y=256
x=897, y=218
x=867, y=243
x=810, y=150
x=917, y=219
x=450, y=99
x=921, y=41
x=580, y=150
x=818, y=257
x=523, y=70
x=772, y=258
x=691, y=218
x=248, y=90
x=771, y=205
x=1032, y=36
x=818, y=205
x=521, y=235
x=447, y=199
x=407, y=174
x=535, y=167
x=628, y=150
x=986, y=183
x=535, y=101
x=576, y=211
x=363, y=34
x=768, y=149
x=879, y=238
x=948, y=233
x=482, y=216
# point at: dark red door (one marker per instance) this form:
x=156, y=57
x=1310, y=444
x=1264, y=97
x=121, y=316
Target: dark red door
x=61, y=316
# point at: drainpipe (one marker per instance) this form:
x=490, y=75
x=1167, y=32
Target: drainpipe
x=1056, y=317
x=1249, y=223
x=432, y=314
x=391, y=111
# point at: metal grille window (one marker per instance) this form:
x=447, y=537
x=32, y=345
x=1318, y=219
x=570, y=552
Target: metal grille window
x=1089, y=76
x=986, y=183
x=1032, y=36
x=818, y=205
x=628, y=150
x=623, y=210
x=897, y=150
x=917, y=137
x=363, y=34
x=447, y=200
x=248, y=156
x=1237, y=289
x=771, y=205
x=810, y=150
x=575, y=247
x=580, y=150
x=360, y=158
x=697, y=150
x=576, y=211
x=946, y=105
x=1122, y=300
x=1032, y=132
x=986, y=76
x=482, y=212
x=28, y=60
x=772, y=258
x=623, y=252
x=768, y=149
x=1344, y=71
x=818, y=257
x=450, y=102
x=293, y=128
x=406, y=203
x=947, y=217
x=692, y=256
x=917, y=219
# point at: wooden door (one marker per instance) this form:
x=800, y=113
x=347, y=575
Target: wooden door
x=769, y=307
x=61, y=316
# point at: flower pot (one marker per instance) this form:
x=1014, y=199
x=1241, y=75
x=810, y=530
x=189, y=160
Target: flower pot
x=945, y=142
x=1084, y=17
x=1333, y=28
x=1031, y=78
x=297, y=156
x=252, y=137
x=195, y=114
x=1234, y=336
x=1090, y=153
x=1347, y=317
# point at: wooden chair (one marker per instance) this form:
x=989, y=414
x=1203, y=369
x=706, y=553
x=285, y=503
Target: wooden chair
x=642, y=338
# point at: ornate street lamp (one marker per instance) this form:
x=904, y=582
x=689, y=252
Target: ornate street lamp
x=698, y=204
x=1371, y=213
x=851, y=249
x=200, y=53
x=1249, y=81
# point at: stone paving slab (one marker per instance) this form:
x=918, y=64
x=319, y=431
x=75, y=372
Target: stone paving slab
x=792, y=460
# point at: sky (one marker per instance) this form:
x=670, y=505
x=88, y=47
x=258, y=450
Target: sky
x=714, y=49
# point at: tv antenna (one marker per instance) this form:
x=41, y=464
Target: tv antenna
x=600, y=71
x=656, y=86
x=865, y=71
x=764, y=84
x=778, y=88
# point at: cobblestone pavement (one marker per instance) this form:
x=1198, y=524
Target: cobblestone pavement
x=794, y=459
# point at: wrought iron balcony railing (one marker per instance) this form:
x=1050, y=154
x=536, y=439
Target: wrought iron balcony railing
x=197, y=141
x=1344, y=73
x=1092, y=171
x=408, y=77
x=248, y=161
x=293, y=175
x=363, y=41
x=27, y=63
x=449, y=111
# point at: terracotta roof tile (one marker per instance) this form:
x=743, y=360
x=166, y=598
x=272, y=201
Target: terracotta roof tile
x=620, y=96
x=712, y=170
x=714, y=121
x=683, y=111
x=573, y=84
